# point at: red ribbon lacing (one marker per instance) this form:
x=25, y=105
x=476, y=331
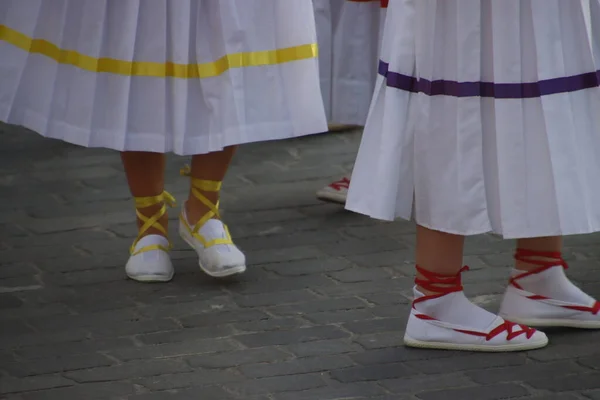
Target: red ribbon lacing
x=545, y=260
x=343, y=183
x=431, y=282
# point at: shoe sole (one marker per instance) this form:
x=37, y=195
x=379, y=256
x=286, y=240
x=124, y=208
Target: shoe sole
x=410, y=342
x=151, y=278
x=229, y=272
x=554, y=323
x=332, y=198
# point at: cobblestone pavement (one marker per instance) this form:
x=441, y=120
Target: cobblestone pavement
x=319, y=314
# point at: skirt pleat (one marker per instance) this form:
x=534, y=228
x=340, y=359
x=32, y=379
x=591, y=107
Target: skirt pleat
x=349, y=34
x=485, y=118
x=190, y=77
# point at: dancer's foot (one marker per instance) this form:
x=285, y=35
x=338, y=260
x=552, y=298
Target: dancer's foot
x=546, y=297
x=336, y=192
x=446, y=319
x=218, y=256
x=149, y=260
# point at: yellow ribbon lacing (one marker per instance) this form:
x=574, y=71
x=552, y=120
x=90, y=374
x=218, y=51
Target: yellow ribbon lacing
x=199, y=186
x=152, y=222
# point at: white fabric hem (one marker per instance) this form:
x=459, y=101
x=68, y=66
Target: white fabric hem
x=156, y=143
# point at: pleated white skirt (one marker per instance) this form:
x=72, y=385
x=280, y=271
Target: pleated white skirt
x=348, y=33
x=486, y=117
x=187, y=76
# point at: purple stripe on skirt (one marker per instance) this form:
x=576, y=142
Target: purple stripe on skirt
x=489, y=89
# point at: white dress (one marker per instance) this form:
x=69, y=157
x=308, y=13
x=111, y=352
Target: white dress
x=486, y=117
x=184, y=76
x=348, y=33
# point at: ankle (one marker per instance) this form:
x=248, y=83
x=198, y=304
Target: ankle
x=527, y=260
x=163, y=221
x=195, y=210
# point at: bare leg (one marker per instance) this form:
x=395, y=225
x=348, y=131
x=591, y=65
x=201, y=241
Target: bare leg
x=540, y=294
x=149, y=260
x=442, y=317
x=551, y=244
x=203, y=231
x=146, y=177
x=208, y=167
x=438, y=252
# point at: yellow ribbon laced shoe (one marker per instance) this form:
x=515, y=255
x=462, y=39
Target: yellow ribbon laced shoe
x=149, y=260
x=218, y=256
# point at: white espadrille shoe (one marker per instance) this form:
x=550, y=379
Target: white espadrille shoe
x=447, y=320
x=545, y=297
x=218, y=256
x=149, y=260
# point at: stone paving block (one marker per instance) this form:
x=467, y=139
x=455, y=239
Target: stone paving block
x=377, y=325
x=296, y=367
x=389, y=258
x=9, y=301
x=352, y=247
x=421, y=383
x=315, y=306
x=525, y=372
x=271, y=299
x=129, y=370
x=14, y=327
x=294, y=253
x=468, y=362
x=361, y=288
x=20, y=283
x=560, y=396
x=310, y=266
x=166, y=350
x=279, y=241
x=97, y=319
x=237, y=358
x=380, y=340
x=189, y=308
x=57, y=365
x=73, y=348
x=385, y=299
x=335, y=392
x=323, y=348
x=568, y=383
x=271, y=324
x=222, y=317
x=37, y=338
x=197, y=377
x=320, y=313
x=33, y=253
x=287, y=383
x=360, y=274
x=86, y=277
x=182, y=335
x=63, y=224
x=289, y=337
x=278, y=285
x=491, y=392
x=338, y=316
x=99, y=390
x=9, y=233
x=204, y=393
x=594, y=395
x=11, y=270
x=13, y=385
x=372, y=373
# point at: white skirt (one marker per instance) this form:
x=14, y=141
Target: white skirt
x=187, y=76
x=486, y=116
x=348, y=33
